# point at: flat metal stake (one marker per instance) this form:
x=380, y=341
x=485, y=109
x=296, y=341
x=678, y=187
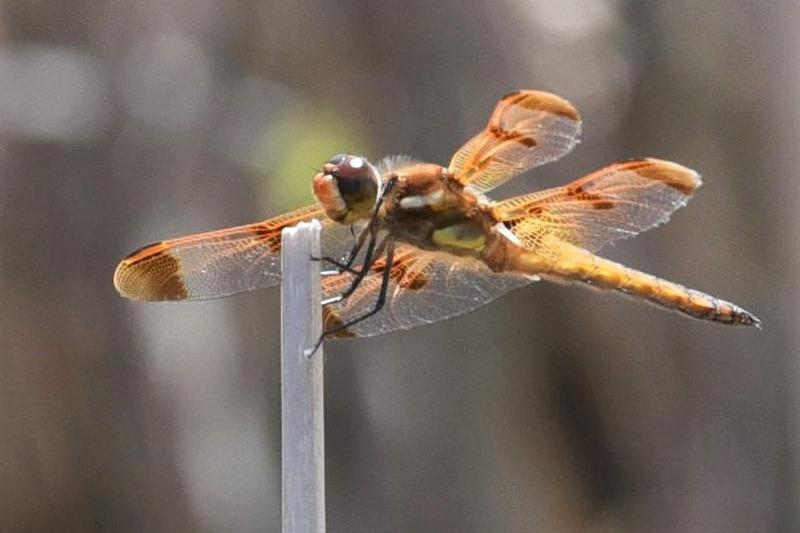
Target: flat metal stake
x=302, y=408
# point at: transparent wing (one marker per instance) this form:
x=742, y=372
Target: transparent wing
x=220, y=263
x=615, y=202
x=527, y=129
x=424, y=287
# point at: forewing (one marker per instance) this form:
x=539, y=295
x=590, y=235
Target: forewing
x=220, y=263
x=613, y=203
x=526, y=129
x=424, y=287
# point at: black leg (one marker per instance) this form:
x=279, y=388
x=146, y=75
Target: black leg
x=369, y=259
x=372, y=222
x=340, y=266
x=379, y=303
x=362, y=237
x=369, y=230
x=369, y=256
x=346, y=266
x=372, y=254
x=387, y=271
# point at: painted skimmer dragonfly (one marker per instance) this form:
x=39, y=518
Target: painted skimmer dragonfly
x=416, y=243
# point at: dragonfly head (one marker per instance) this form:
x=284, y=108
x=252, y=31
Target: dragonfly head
x=347, y=187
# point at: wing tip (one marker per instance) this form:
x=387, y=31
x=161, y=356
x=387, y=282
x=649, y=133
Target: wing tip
x=150, y=273
x=681, y=178
x=546, y=101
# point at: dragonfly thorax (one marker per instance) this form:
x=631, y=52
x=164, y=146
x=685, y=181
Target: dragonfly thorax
x=347, y=187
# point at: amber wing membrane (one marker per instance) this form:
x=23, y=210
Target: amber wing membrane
x=526, y=129
x=559, y=228
x=424, y=287
x=219, y=263
x=615, y=202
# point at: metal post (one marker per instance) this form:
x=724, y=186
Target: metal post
x=302, y=438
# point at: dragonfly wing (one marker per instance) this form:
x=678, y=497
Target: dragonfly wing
x=424, y=287
x=527, y=129
x=615, y=202
x=561, y=227
x=220, y=263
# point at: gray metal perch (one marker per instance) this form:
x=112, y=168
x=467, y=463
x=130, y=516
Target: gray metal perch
x=302, y=410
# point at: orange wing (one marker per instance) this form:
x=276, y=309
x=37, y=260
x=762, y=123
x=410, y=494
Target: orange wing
x=615, y=202
x=527, y=129
x=219, y=263
x=424, y=287
x=559, y=228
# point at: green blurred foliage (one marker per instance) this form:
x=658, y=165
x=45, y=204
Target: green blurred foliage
x=295, y=145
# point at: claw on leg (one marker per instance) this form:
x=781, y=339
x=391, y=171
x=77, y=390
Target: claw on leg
x=309, y=352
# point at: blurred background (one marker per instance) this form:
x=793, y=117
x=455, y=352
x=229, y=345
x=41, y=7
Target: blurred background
x=554, y=409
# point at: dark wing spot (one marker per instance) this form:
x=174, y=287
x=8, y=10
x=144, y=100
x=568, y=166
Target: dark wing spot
x=598, y=201
x=331, y=320
x=556, y=105
x=174, y=288
x=412, y=281
x=151, y=277
x=146, y=252
x=379, y=266
x=670, y=174
x=505, y=135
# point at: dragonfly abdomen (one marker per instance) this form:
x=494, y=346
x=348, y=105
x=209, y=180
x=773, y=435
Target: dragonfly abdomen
x=568, y=262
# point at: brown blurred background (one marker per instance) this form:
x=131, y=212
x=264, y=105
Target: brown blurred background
x=555, y=409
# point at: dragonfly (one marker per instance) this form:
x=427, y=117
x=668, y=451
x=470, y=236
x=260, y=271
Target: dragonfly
x=414, y=243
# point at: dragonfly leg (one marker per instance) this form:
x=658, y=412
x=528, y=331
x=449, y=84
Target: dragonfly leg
x=379, y=303
x=373, y=253
x=340, y=266
x=370, y=256
x=346, y=265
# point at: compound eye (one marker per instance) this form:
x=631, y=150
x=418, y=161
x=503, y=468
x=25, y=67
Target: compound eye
x=348, y=186
x=351, y=166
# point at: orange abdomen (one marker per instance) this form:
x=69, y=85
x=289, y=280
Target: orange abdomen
x=568, y=262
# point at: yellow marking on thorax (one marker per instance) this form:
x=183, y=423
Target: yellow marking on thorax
x=466, y=235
